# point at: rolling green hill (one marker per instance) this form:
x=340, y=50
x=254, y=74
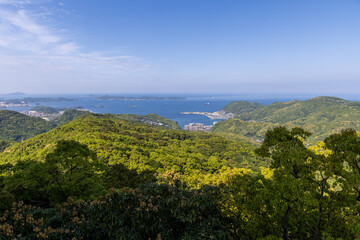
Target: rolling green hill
x=321, y=115
x=141, y=146
x=48, y=110
x=69, y=115
x=152, y=119
x=250, y=129
x=16, y=126
x=238, y=107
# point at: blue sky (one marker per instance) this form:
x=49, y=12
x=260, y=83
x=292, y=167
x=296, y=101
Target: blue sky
x=180, y=46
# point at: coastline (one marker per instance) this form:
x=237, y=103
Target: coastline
x=213, y=115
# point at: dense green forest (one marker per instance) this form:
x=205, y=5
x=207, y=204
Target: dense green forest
x=142, y=147
x=17, y=126
x=158, y=167
x=152, y=119
x=321, y=116
x=69, y=115
x=238, y=107
x=103, y=177
x=47, y=110
x=123, y=177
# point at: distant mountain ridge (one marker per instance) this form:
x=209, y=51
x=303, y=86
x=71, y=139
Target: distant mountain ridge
x=320, y=115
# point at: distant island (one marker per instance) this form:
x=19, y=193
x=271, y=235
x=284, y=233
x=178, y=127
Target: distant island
x=107, y=97
x=24, y=102
x=15, y=93
x=34, y=100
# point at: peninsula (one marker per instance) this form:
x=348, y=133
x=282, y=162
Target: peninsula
x=214, y=115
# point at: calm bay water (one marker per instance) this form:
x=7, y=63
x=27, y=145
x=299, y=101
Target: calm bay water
x=167, y=108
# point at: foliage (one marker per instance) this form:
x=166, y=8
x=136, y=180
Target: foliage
x=152, y=119
x=118, y=176
x=69, y=115
x=4, y=144
x=70, y=170
x=142, y=147
x=47, y=110
x=149, y=212
x=250, y=129
x=17, y=127
x=238, y=107
x=321, y=116
x=304, y=193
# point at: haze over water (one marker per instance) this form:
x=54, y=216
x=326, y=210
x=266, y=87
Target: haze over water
x=167, y=108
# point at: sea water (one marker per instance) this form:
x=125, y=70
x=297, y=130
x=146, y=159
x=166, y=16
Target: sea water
x=167, y=108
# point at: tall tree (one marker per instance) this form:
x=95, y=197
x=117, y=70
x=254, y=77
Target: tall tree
x=74, y=169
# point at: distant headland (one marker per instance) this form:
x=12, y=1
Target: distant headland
x=25, y=101
x=15, y=94
x=107, y=97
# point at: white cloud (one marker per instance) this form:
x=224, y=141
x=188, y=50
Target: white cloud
x=32, y=48
x=22, y=28
x=11, y=2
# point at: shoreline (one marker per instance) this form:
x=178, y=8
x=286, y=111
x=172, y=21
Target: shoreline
x=213, y=115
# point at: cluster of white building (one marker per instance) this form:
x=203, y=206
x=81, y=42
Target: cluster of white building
x=198, y=127
x=45, y=116
x=4, y=104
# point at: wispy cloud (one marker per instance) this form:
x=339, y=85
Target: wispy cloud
x=28, y=43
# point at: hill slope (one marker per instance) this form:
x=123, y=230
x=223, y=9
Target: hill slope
x=321, y=115
x=69, y=115
x=16, y=126
x=140, y=146
x=152, y=119
x=238, y=107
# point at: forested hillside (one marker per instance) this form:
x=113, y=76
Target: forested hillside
x=251, y=129
x=16, y=126
x=238, y=107
x=69, y=115
x=152, y=119
x=142, y=147
x=124, y=177
x=47, y=110
x=71, y=190
x=321, y=116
